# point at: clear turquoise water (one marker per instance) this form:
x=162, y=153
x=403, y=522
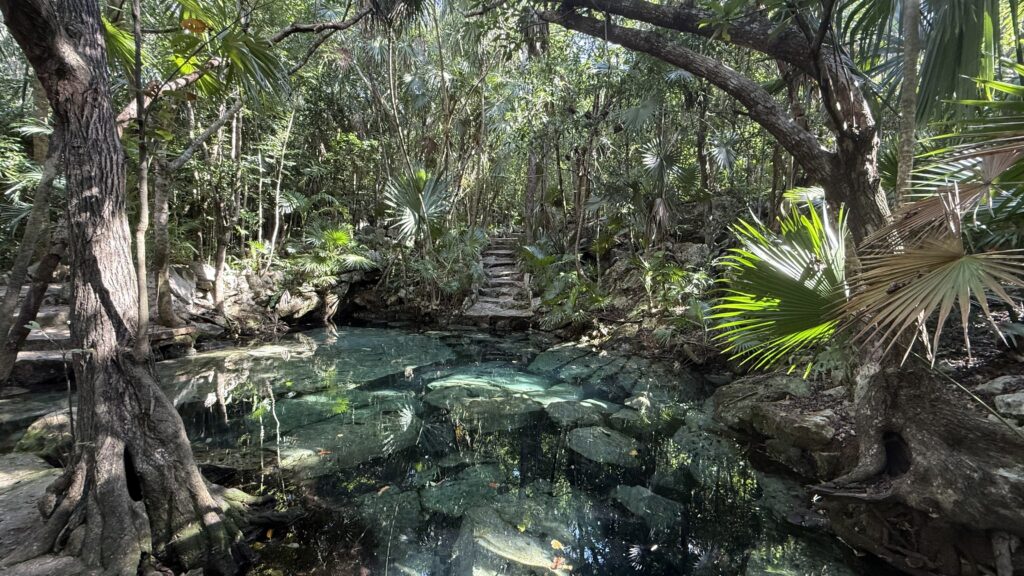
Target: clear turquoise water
x=470, y=454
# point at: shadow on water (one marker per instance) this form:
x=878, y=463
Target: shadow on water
x=461, y=453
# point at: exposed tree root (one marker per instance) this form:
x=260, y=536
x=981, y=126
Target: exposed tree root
x=135, y=492
x=939, y=488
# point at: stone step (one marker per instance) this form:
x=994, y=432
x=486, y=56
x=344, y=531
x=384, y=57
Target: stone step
x=503, y=290
x=503, y=245
x=35, y=367
x=504, y=302
x=500, y=272
x=487, y=310
x=501, y=282
x=499, y=253
x=491, y=262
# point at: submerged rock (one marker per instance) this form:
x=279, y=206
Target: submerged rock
x=50, y=437
x=660, y=513
x=475, y=486
x=694, y=457
x=605, y=446
x=558, y=393
x=486, y=399
x=788, y=555
x=557, y=357
x=391, y=514
x=569, y=413
x=489, y=545
x=345, y=441
x=1011, y=404
x=493, y=376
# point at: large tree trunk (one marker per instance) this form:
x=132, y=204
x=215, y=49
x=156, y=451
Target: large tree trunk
x=132, y=487
x=943, y=482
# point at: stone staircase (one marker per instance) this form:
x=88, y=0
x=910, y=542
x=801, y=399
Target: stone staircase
x=505, y=295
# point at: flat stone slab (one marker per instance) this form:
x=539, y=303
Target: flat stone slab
x=605, y=446
x=487, y=310
x=345, y=441
x=660, y=513
x=23, y=481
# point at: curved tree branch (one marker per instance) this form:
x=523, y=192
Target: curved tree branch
x=152, y=92
x=320, y=26
x=750, y=31
x=762, y=107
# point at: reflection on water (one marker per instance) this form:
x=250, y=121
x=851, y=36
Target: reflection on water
x=467, y=454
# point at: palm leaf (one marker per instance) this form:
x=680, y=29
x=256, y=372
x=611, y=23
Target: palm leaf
x=899, y=291
x=787, y=288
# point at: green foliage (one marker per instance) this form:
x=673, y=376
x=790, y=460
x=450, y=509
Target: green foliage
x=668, y=285
x=568, y=294
x=452, y=269
x=418, y=202
x=329, y=253
x=785, y=291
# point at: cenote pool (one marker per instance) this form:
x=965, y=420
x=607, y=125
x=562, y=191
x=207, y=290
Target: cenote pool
x=470, y=454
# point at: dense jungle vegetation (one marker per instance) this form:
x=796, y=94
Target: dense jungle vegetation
x=829, y=189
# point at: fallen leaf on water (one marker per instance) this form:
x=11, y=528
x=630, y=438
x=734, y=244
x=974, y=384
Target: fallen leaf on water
x=557, y=563
x=556, y=545
x=493, y=485
x=521, y=527
x=270, y=533
x=633, y=452
x=383, y=490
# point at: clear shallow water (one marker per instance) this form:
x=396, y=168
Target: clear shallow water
x=469, y=454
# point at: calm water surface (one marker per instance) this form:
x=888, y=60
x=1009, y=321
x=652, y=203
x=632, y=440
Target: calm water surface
x=469, y=454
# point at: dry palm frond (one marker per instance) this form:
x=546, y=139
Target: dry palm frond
x=898, y=291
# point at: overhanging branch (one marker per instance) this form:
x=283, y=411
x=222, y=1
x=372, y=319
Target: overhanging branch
x=131, y=111
x=317, y=27
x=752, y=31
x=762, y=107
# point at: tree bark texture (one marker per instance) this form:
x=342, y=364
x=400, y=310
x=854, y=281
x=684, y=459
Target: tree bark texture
x=162, y=249
x=938, y=485
x=132, y=488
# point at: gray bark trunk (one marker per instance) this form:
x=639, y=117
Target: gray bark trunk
x=908, y=96
x=132, y=487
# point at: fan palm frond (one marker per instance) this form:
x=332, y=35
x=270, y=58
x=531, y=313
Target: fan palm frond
x=898, y=291
x=787, y=289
